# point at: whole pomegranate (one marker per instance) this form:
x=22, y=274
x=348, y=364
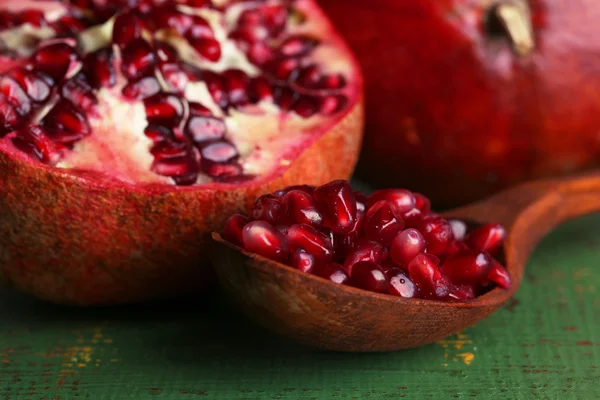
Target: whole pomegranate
x=465, y=97
x=130, y=129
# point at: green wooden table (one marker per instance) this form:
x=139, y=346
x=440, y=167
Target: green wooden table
x=545, y=344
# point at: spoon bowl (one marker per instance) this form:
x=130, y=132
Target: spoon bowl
x=326, y=315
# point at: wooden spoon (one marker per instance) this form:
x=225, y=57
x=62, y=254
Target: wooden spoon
x=330, y=316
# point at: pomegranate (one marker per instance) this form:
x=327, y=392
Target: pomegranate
x=468, y=97
x=372, y=248
x=130, y=129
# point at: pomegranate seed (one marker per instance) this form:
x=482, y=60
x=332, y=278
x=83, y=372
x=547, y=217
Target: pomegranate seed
x=499, y=275
x=200, y=29
x=438, y=233
x=138, y=59
x=424, y=272
x=68, y=26
x=208, y=48
x=100, y=69
x=344, y=244
x=488, y=238
x=236, y=82
x=309, y=76
x=467, y=267
x=203, y=128
x=78, y=92
x=455, y=247
x=250, y=17
x=166, y=150
x=32, y=17
x=306, y=106
x=165, y=53
x=159, y=133
x=382, y=222
x=297, y=46
x=285, y=98
x=127, y=27
x=462, y=293
x=215, y=88
x=369, y=276
x=338, y=206
x=307, y=238
x=170, y=18
x=267, y=208
x=174, y=76
x=332, y=272
x=261, y=238
x=54, y=60
x=275, y=18
x=403, y=200
x=303, y=188
x=406, y=246
x=302, y=260
x=365, y=250
x=142, y=88
x=422, y=203
x=300, y=208
x=15, y=95
x=229, y=173
x=164, y=109
x=177, y=161
x=286, y=69
x=66, y=124
x=34, y=141
x=401, y=285
x=260, y=89
x=36, y=88
x=260, y=54
x=250, y=34
x=459, y=229
x=9, y=119
x=361, y=202
x=333, y=81
x=233, y=229
x=198, y=3
x=219, y=152
x=330, y=105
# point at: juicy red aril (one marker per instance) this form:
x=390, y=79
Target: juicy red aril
x=361, y=203
x=34, y=141
x=338, y=206
x=34, y=85
x=467, y=267
x=165, y=52
x=499, y=275
x=306, y=106
x=68, y=25
x=203, y=128
x=66, y=124
x=260, y=54
x=199, y=29
x=332, y=81
x=422, y=203
x=208, y=48
x=219, y=152
x=164, y=109
x=16, y=96
x=488, y=238
x=285, y=98
x=365, y=250
x=100, y=69
x=236, y=82
x=229, y=173
x=424, y=272
x=78, y=92
x=260, y=237
x=369, y=276
x=170, y=18
x=233, y=228
x=455, y=247
x=297, y=46
x=138, y=59
x=462, y=293
x=302, y=260
x=382, y=222
x=9, y=119
x=169, y=150
x=332, y=272
x=142, y=88
x=158, y=133
x=401, y=285
x=402, y=199
x=275, y=18
x=33, y=17
x=300, y=208
x=250, y=17
x=250, y=34
x=174, y=76
x=127, y=27
x=438, y=233
x=215, y=88
x=267, y=208
x=406, y=246
x=177, y=161
x=332, y=104
x=309, y=76
x=260, y=89
x=286, y=69
x=307, y=238
x=54, y=60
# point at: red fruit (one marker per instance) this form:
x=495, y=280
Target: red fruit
x=437, y=232
x=233, y=228
x=461, y=293
x=302, y=260
x=424, y=272
x=365, y=250
x=261, y=238
x=406, y=246
x=402, y=199
x=297, y=46
x=299, y=207
x=382, y=222
x=332, y=272
x=499, y=275
x=138, y=173
x=267, y=208
x=467, y=267
x=338, y=205
x=401, y=285
x=488, y=238
x=369, y=276
x=307, y=238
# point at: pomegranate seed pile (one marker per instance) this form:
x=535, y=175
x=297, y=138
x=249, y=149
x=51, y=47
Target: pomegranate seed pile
x=179, y=92
x=389, y=242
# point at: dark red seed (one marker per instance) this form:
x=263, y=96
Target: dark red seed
x=299, y=207
x=369, y=276
x=204, y=127
x=345, y=243
x=365, y=250
x=208, y=48
x=307, y=238
x=422, y=203
x=406, y=246
x=235, y=82
x=233, y=229
x=332, y=272
x=127, y=27
x=338, y=205
x=403, y=200
x=165, y=53
x=68, y=25
x=401, y=285
x=78, y=91
x=382, y=222
x=260, y=237
x=168, y=150
x=297, y=46
x=330, y=105
x=285, y=98
x=159, y=133
x=250, y=33
x=461, y=293
x=100, y=69
x=138, y=59
x=267, y=208
x=9, y=119
x=260, y=54
x=331, y=82
x=275, y=18
x=302, y=260
x=424, y=272
x=438, y=233
x=499, y=275
x=309, y=76
x=228, y=173
x=250, y=17
x=54, y=60
x=34, y=85
x=15, y=95
x=200, y=29
x=177, y=161
x=34, y=141
x=259, y=89
x=142, y=88
x=33, y=17
x=164, y=109
x=488, y=238
x=303, y=188
x=468, y=267
x=361, y=202
x=169, y=18
x=286, y=69
x=455, y=247
x=215, y=88
x=66, y=123
x=175, y=77
x=306, y=106
x=219, y=152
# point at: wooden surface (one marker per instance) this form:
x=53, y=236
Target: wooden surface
x=545, y=344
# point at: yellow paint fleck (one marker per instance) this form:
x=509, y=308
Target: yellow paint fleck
x=457, y=342
x=467, y=358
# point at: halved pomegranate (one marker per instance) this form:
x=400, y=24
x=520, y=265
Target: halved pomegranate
x=364, y=241
x=129, y=130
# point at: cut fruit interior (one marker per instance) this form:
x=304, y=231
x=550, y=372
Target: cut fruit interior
x=177, y=93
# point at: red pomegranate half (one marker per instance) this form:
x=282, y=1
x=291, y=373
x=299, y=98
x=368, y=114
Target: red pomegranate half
x=131, y=129
x=465, y=97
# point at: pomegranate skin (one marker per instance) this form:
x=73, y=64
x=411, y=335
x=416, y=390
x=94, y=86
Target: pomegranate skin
x=79, y=238
x=455, y=106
